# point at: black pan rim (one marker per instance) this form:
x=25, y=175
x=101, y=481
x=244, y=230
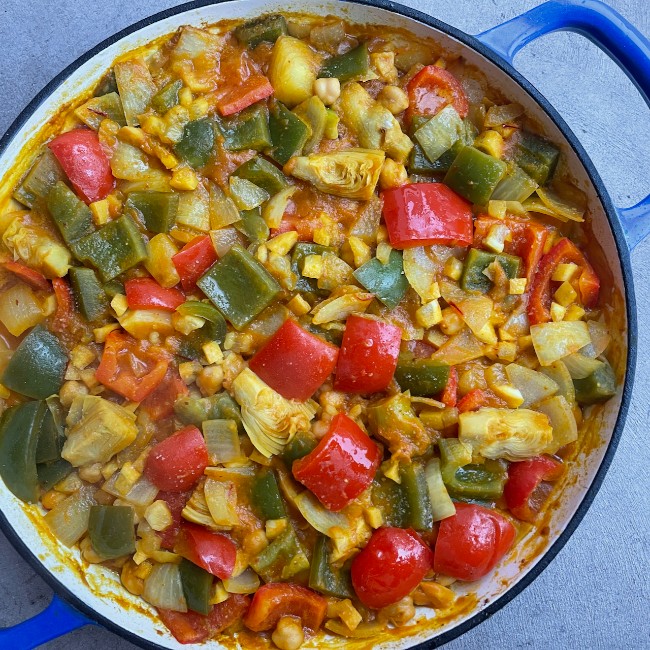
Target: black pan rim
x=624, y=258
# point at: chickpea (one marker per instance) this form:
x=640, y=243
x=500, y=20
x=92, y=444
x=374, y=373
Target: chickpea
x=210, y=380
x=70, y=390
x=288, y=634
x=256, y=542
x=393, y=174
x=91, y=473
x=130, y=579
x=327, y=90
x=398, y=613
x=88, y=551
x=52, y=498
x=394, y=99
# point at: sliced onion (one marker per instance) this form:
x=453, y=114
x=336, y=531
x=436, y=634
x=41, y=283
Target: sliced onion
x=224, y=239
x=421, y=271
x=221, y=498
x=223, y=210
x=504, y=114
x=222, y=441
x=562, y=377
x=274, y=209
x=600, y=339
x=246, y=582
x=163, y=588
x=534, y=386
x=194, y=210
x=441, y=503
x=317, y=515
x=20, y=309
x=554, y=341
x=142, y=494
x=581, y=366
x=460, y=348
x=560, y=415
x=68, y=520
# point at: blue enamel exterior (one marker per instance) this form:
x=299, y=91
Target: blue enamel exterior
x=595, y=20
x=608, y=30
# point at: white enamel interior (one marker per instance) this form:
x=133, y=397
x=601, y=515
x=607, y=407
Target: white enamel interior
x=101, y=584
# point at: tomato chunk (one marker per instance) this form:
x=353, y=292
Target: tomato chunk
x=432, y=89
x=160, y=402
x=525, y=491
x=253, y=89
x=176, y=502
x=277, y=599
x=341, y=466
x=470, y=543
x=390, y=566
x=146, y=293
x=130, y=367
x=84, y=162
x=193, y=260
x=368, y=355
x=421, y=214
x=33, y=278
x=294, y=362
x=177, y=463
x=213, y=552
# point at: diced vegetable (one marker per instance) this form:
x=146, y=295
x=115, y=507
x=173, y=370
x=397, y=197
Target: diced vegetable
x=475, y=175
x=136, y=88
x=193, y=260
x=354, y=64
x=504, y=433
x=88, y=293
x=292, y=70
x=254, y=89
x=37, y=366
x=249, y=129
x=222, y=441
x=433, y=88
x=145, y=293
x=197, y=587
x=68, y=520
x=477, y=261
x=415, y=487
x=72, y=217
x=536, y=156
x=563, y=421
x=267, y=28
x=533, y=386
x=163, y=588
x=421, y=377
x=352, y=173
x=211, y=551
x=167, y=97
x=326, y=578
x=289, y=133
x=263, y=174
x=157, y=210
x=196, y=145
x=554, y=341
x=100, y=108
x=40, y=179
x=440, y=133
x=386, y=281
x=441, y=504
x=111, y=531
x=265, y=496
x=597, y=387
x=314, y=114
x=20, y=309
x=516, y=185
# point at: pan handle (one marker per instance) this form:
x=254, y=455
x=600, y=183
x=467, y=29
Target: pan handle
x=57, y=619
x=613, y=34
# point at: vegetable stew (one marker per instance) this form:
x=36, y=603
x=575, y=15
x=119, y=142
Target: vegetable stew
x=298, y=328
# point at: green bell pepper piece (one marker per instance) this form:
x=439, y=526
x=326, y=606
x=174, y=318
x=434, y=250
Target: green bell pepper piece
x=300, y=251
x=37, y=366
x=113, y=249
x=474, y=175
x=422, y=377
x=248, y=129
x=104, y=107
x=107, y=84
x=516, y=185
x=45, y=173
x=253, y=226
x=265, y=28
x=239, y=286
x=477, y=261
x=466, y=479
x=200, y=309
x=167, y=97
x=288, y=133
x=157, y=210
x=112, y=288
x=19, y=432
x=391, y=499
x=89, y=294
x=265, y=496
x=193, y=410
x=331, y=125
x=354, y=63
x=599, y=386
x=386, y=281
x=197, y=586
x=197, y=143
x=415, y=488
x=111, y=531
x=191, y=345
x=536, y=156
x=50, y=440
x=325, y=578
x=396, y=413
x=331, y=336
x=71, y=215
x=313, y=113
x=283, y=558
x=246, y=195
x=264, y=174
x=49, y=474
x=302, y=444
x=440, y=133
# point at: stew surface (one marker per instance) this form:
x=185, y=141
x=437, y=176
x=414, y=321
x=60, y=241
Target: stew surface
x=298, y=330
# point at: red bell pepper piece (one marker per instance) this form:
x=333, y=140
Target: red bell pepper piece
x=528, y=240
x=368, y=355
x=342, y=465
x=433, y=88
x=471, y=542
x=449, y=395
x=160, y=402
x=213, y=552
x=563, y=252
x=122, y=356
x=277, y=599
x=84, y=162
x=254, y=89
x=64, y=314
x=294, y=362
x=146, y=293
x=190, y=627
x=390, y=566
x=525, y=491
x=474, y=400
x=421, y=214
x=178, y=462
x=33, y=278
x=193, y=260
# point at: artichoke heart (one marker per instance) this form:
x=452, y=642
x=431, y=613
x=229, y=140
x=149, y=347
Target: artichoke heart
x=352, y=174
x=374, y=125
x=270, y=420
x=505, y=433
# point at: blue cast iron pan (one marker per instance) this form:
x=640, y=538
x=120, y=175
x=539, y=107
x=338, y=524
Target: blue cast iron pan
x=591, y=18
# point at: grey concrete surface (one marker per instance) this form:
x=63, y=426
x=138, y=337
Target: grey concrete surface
x=596, y=593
